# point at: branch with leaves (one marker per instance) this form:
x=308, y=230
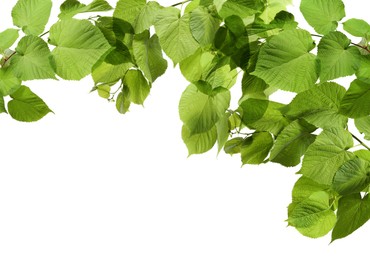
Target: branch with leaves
x=212, y=43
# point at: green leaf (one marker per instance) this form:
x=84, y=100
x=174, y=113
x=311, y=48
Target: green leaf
x=33, y=60
x=203, y=25
x=200, y=112
x=280, y=58
x=326, y=155
x=313, y=217
x=222, y=77
x=253, y=87
x=323, y=15
x=255, y=149
x=128, y=10
x=304, y=188
x=174, y=34
x=123, y=101
x=363, y=70
x=363, y=126
x=273, y=7
x=201, y=142
x=355, y=102
x=79, y=45
x=352, y=177
x=147, y=17
x=242, y=8
x=223, y=131
x=26, y=106
x=138, y=86
x=319, y=106
x=2, y=105
x=8, y=38
x=193, y=67
x=357, y=27
x=109, y=73
x=336, y=57
x=363, y=154
x=8, y=81
x=233, y=146
x=292, y=143
x=148, y=55
x=70, y=8
x=263, y=115
x=353, y=212
x=31, y=15
x=104, y=91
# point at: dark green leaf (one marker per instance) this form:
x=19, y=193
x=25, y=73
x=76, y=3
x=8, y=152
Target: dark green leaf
x=233, y=146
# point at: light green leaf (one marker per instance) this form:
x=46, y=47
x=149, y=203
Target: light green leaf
x=363, y=154
x=26, y=106
x=201, y=142
x=357, y=27
x=128, y=10
x=355, y=102
x=33, y=60
x=175, y=35
x=280, y=57
x=8, y=81
x=241, y=8
x=79, y=45
x=148, y=55
x=146, y=17
x=223, y=77
x=273, y=7
x=352, y=177
x=7, y=39
x=323, y=15
x=70, y=8
x=324, y=157
x=336, y=57
x=203, y=25
x=138, y=86
x=200, y=112
x=31, y=15
x=123, y=101
x=263, y=115
x=313, y=217
x=104, y=91
x=319, y=106
x=363, y=126
x=292, y=143
x=304, y=188
x=353, y=212
x=363, y=70
x=193, y=67
x=255, y=149
x=253, y=87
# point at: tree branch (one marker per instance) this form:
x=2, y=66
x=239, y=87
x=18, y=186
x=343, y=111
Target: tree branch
x=359, y=140
x=366, y=48
x=181, y=3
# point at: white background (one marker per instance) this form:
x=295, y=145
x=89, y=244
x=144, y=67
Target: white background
x=89, y=183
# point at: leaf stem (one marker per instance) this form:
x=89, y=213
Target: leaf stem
x=361, y=142
x=8, y=58
x=181, y=3
x=366, y=48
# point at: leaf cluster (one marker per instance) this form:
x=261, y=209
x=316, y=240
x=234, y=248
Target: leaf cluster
x=213, y=42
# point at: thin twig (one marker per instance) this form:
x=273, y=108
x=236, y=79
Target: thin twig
x=44, y=33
